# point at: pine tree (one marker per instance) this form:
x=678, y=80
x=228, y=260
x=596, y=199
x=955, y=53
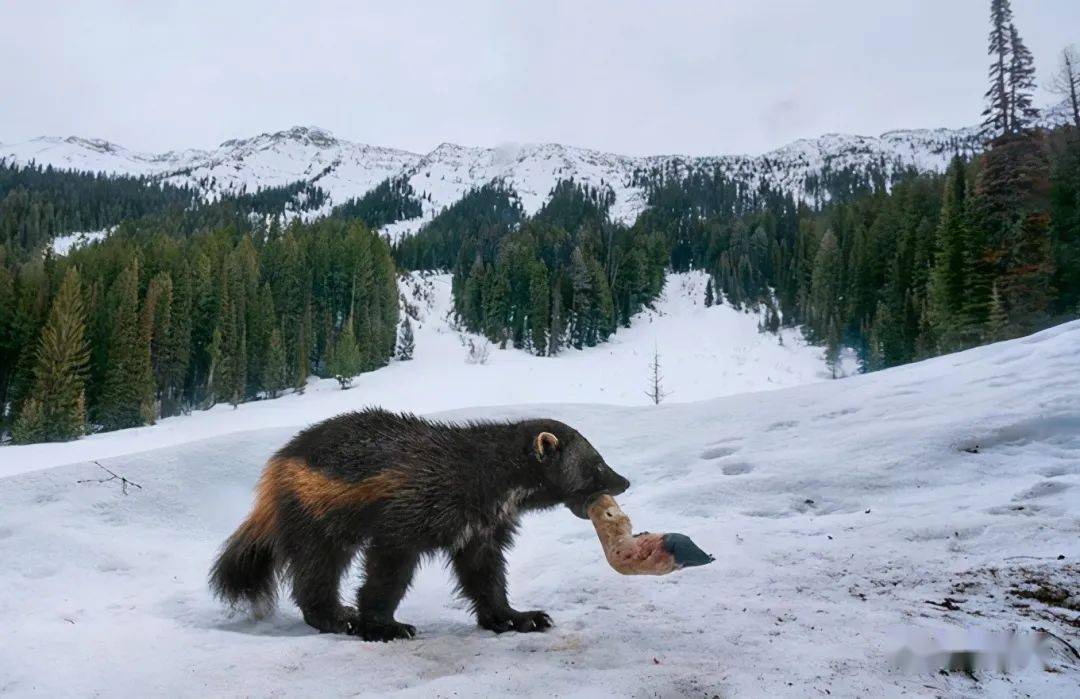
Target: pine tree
x=155, y=325
x=539, y=309
x=996, y=115
x=825, y=286
x=1010, y=215
x=708, y=293
x=302, y=350
x=876, y=350
x=177, y=351
x=948, y=280
x=555, y=336
x=56, y=410
x=275, y=377
x=406, y=342
x=581, y=309
x=127, y=392
x=345, y=360
x=1022, y=112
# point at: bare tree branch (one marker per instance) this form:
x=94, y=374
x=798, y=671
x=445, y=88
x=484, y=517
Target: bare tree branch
x=124, y=482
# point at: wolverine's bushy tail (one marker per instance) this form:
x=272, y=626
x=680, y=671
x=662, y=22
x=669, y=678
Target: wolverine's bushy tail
x=246, y=570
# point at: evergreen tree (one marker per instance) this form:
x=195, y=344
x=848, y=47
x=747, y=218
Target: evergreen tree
x=302, y=354
x=539, y=309
x=948, y=280
x=1010, y=213
x=1022, y=112
x=556, y=334
x=155, y=326
x=406, y=342
x=345, y=360
x=581, y=310
x=275, y=378
x=825, y=287
x=177, y=351
x=998, y=108
x=127, y=392
x=57, y=409
x=708, y=293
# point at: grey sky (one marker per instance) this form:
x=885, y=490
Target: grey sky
x=626, y=76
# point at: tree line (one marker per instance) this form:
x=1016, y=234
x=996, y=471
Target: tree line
x=564, y=277
x=149, y=323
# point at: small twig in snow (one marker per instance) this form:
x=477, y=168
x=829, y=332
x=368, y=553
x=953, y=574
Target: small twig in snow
x=124, y=482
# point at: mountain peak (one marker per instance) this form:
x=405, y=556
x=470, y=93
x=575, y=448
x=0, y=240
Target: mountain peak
x=307, y=135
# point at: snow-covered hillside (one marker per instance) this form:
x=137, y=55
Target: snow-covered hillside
x=345, y=169
x=847, y=517
x=704, y=353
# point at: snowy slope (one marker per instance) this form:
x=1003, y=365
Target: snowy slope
x=844, y=515
x=704, y=353
x=345, y=169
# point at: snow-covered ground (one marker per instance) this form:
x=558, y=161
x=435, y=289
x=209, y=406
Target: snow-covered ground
x=704, y=353
x=930, y=498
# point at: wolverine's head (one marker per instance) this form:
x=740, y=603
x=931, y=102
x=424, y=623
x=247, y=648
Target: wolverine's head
x=573, y=469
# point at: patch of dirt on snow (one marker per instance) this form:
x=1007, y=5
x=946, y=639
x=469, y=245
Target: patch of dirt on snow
x=1047, y=592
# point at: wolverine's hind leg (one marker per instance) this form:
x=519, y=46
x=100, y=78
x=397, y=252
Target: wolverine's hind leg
x=388, y=571
x=316, y=564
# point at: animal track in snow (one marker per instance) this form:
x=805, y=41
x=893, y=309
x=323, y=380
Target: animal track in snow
x=736, y=469
x=782, y=425
x=1042, y=489
x=718, y=452
x=837, y=413
x=1015, y=510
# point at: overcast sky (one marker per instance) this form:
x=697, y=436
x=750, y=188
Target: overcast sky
x=706, y=77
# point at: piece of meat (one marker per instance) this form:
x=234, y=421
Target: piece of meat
x=644, y=553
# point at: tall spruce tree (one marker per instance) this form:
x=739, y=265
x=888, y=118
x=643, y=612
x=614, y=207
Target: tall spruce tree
x=275, y=375
x=825, y=287
x=127, y=392
x=948, y=281
x=998, y=108
x=406, y=341
x=539, y=309
x=1022, y=112
x=345, y=360
x=56, y=409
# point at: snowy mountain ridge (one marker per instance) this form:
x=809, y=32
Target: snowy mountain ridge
x=347, y=169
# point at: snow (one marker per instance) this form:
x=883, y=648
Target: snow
x=63, y=244
x=843, y=515
x=704, y=353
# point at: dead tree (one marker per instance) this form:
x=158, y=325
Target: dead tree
x=1066, y=81
x=656, y=392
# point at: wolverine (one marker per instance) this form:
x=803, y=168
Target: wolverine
x=397, y=488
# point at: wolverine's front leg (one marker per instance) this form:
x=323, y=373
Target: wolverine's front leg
x=481, y=572
x=388, y=571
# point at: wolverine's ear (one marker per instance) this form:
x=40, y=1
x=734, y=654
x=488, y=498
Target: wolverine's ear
x=545, y=444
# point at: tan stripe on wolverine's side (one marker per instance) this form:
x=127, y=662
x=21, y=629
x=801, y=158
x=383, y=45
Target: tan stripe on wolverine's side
x=316, y=492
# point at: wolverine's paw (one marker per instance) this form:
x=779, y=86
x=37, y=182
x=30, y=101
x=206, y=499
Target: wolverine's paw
x=523, y=622
x=380, y=630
